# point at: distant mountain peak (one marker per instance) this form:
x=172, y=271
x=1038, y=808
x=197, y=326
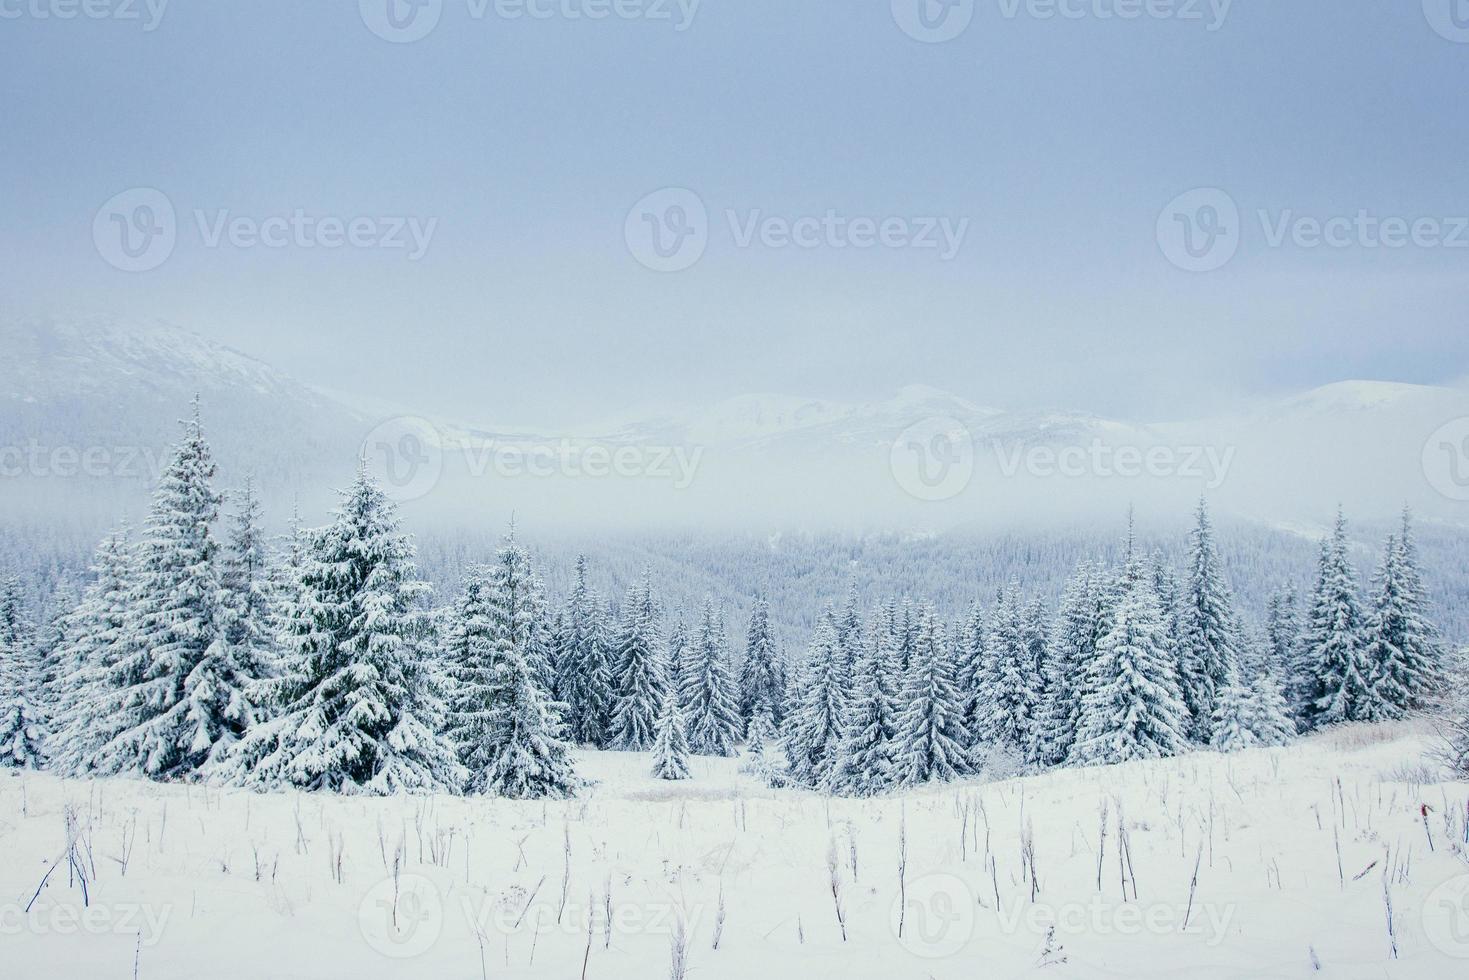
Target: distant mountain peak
x=1362, y=394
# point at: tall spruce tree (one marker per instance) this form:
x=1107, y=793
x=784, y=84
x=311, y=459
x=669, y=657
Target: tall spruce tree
x=969, y=673
x=1270, y=718
x=641, y=672
x=670, y=746
x=179, y=695
x=23, y=736
x=930, y=738
x=1208, y=651
x=1133, y=708
x=707, y=693
x=1403, y=650
x=586, y=681
x=1036, y=644
x=1422, y=640
x=1009, y=687
x=676, y=656
x=1230, y=727
x=86, y=655
x=849, y=629
x=525, y=755
x=1388, y=678
x=1283, y=649
x=469, y=642
x=760, y=675
x=1333, y=642
x=865, y=765
x=813, y=741
x=249, y=602
x=360, y=699
x=1072, y=651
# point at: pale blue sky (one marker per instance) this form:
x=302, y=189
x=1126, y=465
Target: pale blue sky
x=1060, y=140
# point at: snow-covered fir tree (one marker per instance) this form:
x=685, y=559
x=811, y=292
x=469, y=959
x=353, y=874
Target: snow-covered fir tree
x=23, y=737
x=1403, y=655
x=813, y=739
x=1036, y=644
x=249, y=605
x=523, y=752
x=1384, y=661
x=1133, y=708
x=1208, y=642
x=870, y=725
x=1270, y=718
x=1230, y=727
x=758, y=759
x=849, y=629
x=930, y=739
x=180, y=694
x=707, y=694
x=761, y=680
x=50, y=643
x=969, y=669
x=1333, y=641
x=1009, y=687
x=469, y=640
x=92, y=634
x=1422, y=643
x=670, y=746
x=519, y=610
x=641, y=672
x=1072, y=651
x=905, y=622
x=359, y=703
x=586, y=668
x=1283, y=648
x=558, y=646
x=285, y=577
x=676, y=657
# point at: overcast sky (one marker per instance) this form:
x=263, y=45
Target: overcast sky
x=1050, y=148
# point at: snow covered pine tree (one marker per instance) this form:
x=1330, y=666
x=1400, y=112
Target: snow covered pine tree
x=641, y=674
x=1133, y=708
x=359, y=705
x=527, y=757
x=179, y=694
x=707, y=693
x=670, y=747
x=22, y=716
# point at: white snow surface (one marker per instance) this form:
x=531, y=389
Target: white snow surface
x=194, y=882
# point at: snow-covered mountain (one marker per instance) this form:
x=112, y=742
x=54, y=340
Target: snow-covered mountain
x=921, y=457
x=89, y=406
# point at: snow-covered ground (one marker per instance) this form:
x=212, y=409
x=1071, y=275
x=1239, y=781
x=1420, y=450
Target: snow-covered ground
x=1299, y=852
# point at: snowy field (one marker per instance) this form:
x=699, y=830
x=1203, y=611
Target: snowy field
x=1316, y=856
